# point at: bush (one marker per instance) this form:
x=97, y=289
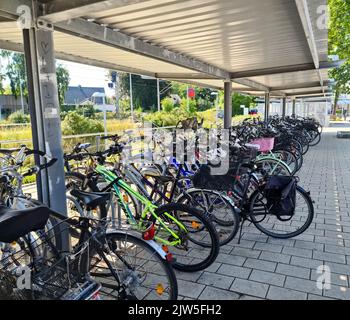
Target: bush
x=18, y=117
x=74, y=123
x=165, y=119
x=192, y=105
x=167, y=104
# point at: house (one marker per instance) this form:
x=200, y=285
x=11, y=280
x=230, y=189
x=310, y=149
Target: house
x=81, y=95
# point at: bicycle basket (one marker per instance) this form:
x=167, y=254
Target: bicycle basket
x=265, y=144
x=52, y=274
x=280, y=192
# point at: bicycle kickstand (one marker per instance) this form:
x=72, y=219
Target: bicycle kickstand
x=240, y=231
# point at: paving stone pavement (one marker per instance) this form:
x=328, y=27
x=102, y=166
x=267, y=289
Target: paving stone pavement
x=261, y=267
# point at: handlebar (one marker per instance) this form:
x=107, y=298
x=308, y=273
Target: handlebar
x=113, y=137
x=37, y=169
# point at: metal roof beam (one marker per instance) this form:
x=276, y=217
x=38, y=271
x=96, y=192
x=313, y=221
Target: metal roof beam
x=196, y=83
x=107, y=36
x=299, y=86
x=7, y=45
x=272, y=71
x=252, y=84
x=185, y=75
x=284, y=69
x=304, y=14
x=58, y=10
x=306, y=93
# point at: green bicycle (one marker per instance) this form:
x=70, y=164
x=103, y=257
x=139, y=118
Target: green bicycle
x=181, y=230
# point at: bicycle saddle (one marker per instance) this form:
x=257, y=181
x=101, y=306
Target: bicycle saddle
x=163, y=179
x=17, y=223
x=91, y=199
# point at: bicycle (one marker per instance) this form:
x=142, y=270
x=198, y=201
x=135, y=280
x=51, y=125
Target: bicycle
x=103, y=263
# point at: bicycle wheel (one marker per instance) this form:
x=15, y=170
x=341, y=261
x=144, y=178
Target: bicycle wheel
x=288, y=158
x=276, y=227
x=217, y=207
x=316, y=138
x=273, y=166
x=132, y=269
x=303, y=142
x=199, y=244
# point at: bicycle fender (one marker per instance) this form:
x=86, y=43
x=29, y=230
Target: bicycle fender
x=151, y=243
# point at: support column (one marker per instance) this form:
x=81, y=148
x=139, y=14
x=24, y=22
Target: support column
x=267, y=106
x=293, y=108
x=131, y=98
x=284, y=106
x=158, y=95
x=45, y=114
x=227, y=104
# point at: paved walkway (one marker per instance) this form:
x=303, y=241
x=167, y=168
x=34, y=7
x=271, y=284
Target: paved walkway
x=266, y=268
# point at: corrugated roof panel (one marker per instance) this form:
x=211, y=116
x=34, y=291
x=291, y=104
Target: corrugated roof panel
x=234, y=35
x=290, y=79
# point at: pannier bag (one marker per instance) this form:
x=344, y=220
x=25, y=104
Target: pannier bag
x=203, y=179
x=280, y=192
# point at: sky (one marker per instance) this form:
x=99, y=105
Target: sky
x=86, y=76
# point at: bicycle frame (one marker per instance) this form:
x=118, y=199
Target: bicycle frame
x=149, y=209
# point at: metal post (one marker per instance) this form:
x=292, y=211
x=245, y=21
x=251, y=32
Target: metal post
x=104, y=115
x=158, y=95
x=227, y=105
x=267, y=106
x=188, y=99
x=44, y=112
x=284, y=106
x=293, y=107
x=21, y=92
x=131, y=99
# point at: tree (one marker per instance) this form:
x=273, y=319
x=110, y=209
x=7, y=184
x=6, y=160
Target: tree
x=204, y=98
x=239, y=100
x=15, y=72
x=144, y=91
x=339, y=44
x=63, y=79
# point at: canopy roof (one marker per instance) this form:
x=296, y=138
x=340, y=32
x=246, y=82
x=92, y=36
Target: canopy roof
x=271, y=45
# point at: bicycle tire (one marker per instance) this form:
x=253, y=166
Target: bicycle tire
x=276, y=163
x=156, y=259
x=214, y=247
x=230, y=224
x=307, y=223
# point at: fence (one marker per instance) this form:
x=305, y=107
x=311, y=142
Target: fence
x=70, y=141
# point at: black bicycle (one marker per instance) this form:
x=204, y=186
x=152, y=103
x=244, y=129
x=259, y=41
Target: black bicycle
x=101, y=264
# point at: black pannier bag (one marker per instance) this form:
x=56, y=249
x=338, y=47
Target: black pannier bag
x=203, y=179
x=280, y=192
